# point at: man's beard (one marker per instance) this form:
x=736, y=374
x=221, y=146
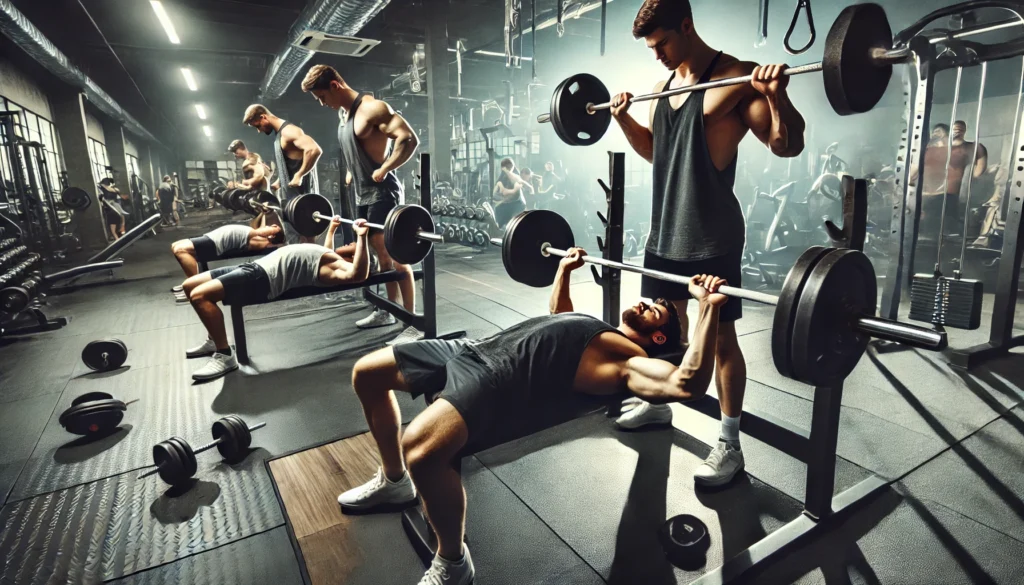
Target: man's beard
x=268, y=130
x=632, y=320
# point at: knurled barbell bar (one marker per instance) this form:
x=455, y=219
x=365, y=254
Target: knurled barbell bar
x=856, y=66
x=175, y=460
x=408, y=229
x=824, y=316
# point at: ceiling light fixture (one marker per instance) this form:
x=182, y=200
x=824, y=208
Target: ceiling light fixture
x=201, y=111
x=189, y=79
x=207, y=131
x=165, y=21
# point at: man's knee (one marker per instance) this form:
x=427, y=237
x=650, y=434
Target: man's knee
x=421, y=453
x=181, y=247
x=374, y=374
x=204, y=294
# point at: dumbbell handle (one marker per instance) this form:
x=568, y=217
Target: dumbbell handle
x=206, y=447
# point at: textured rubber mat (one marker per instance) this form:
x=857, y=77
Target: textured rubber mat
x=264, y=559
x=121, y=525
x=606, y=493
x=20, y=425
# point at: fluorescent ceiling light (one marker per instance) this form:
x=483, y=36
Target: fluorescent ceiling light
x=201, y=111
x=207, y=131
x=191, y=81
x=165, y=21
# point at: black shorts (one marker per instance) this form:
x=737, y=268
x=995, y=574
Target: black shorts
x=244, y=284
x=167, y=206
x=205, y=249
x=727, y=267
x=376, y=212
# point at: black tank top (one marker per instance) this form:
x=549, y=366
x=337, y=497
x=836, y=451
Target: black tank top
x=695, y=213
x=309, y=182
x=361, y=166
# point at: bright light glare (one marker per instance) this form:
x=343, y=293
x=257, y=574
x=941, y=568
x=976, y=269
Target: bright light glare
x=165, y=21
x=207, y=130
x=201, y=111
x=189, y=79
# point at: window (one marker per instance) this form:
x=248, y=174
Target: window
x=100, y=162
x=33, y=127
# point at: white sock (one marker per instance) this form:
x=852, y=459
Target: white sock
x=731, y=430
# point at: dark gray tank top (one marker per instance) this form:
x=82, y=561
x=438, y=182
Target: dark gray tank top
x=357, y=162
x=286, y=169
x=695, y=213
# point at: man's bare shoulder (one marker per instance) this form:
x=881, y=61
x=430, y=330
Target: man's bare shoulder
x=730, y=66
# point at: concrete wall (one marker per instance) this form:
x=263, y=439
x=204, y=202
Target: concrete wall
x=22, y=90
x=94, y=128
x=130, y=147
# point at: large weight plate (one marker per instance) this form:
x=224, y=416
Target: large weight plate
x=76, y=198
x=854, y=80
x=825, y=345
x=785, y=311
x=401, y=227
x=168, y=459
x=234, y=437
x=265, y=197
x=569, y=115
x=105, y=354
x=236, y=199
x=521, y=247
x=301, y=214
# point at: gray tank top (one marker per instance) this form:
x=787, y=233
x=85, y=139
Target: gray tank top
x=361, y=166
x=230, y=238
x=695, y=214
x=286, y=169
x=292, y=266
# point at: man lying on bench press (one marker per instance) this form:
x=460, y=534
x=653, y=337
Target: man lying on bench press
x=263, y=233
x=265, y=279
x=526, y=378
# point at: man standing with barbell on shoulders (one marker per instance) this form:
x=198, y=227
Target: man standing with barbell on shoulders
x=697, y=225
x=375, y=141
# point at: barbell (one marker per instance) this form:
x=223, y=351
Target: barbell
x=175, y=460
x=408, y=229
x=856, y=66
x=824, y=315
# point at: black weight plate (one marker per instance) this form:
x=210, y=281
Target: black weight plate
x=785, y=311
x=188, y=457
x=76, y=198
x=265, y=197
x=302, y=209
x=854, y=80
x=401, y=227
x=90, y=397
x=521, y=248
x=169, y=460
x=825, y=346
x=15, y=299
x=685, y=539
x=95, y=416
x=569, y=115
x=115, y=350
x=234, y=437
x=509, y=228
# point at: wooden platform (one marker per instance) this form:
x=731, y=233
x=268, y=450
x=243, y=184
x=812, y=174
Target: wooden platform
x=335, y=546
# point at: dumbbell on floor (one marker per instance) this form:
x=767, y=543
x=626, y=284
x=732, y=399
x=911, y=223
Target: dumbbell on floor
x=175, y=460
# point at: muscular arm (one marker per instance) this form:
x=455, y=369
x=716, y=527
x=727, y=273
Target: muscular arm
x=639, y=136
x=981, y=162
x=329, y=237
x=310, y=151
x=560, y=301
x=774, y=120
x=359, y=269
x=507, y=194
x=658, y=381
x=257, y=176
x=404, y=144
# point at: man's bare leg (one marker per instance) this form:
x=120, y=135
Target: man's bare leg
x=184, y=253
x=374, y=378
x=404, y=286
x=730, y=370
x=204, y=299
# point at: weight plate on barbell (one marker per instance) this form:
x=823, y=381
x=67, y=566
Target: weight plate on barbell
x=105, y=354
x=234, y=437
x=301, y=210
x=569, y=116
x=825, y=346
x=76, y=198
x=855, y=80
x=785, y=311
x=402, y=225
x=521, y=247
x=265, y=197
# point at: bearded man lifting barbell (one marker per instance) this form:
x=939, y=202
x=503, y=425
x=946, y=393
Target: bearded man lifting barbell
x=265, y=279
x=697, y=224
x=531, y=376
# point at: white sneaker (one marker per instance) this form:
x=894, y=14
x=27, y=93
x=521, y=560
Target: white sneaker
x=207, y=348
x=215, y=367
x=379, y=318
x=643, y=414
x=180, y=298
x=408, y=335
x=379, y=494
x=724, y=462
x=445, y=572
x=177, y=289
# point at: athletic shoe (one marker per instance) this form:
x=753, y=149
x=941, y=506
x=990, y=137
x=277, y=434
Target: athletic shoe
x=180, y=298
x=408, y=335
x=207, y=348
x=380, y=492
x=215, y=367
x=643, y=414
x=445, y=572
x=177, y=289
x=379, y=318
x=724, y=462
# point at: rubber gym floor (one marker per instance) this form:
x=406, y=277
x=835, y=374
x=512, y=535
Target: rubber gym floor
x=579, y=503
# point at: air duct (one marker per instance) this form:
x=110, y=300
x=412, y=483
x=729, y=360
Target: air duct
x=344, y=17
x=17, y=27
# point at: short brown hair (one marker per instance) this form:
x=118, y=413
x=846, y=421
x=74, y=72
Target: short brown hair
x=236, y=145
x=507, y=163
x=254, y=111
x=664, y=14
x=319, y=77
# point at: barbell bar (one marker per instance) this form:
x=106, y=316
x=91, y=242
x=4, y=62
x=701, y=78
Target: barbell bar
x=174, y=459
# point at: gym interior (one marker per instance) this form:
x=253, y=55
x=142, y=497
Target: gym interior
x=395, y=292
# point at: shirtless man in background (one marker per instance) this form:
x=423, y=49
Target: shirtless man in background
x=254, y=170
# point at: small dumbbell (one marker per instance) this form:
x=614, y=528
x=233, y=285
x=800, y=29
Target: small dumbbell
x=175, y=460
